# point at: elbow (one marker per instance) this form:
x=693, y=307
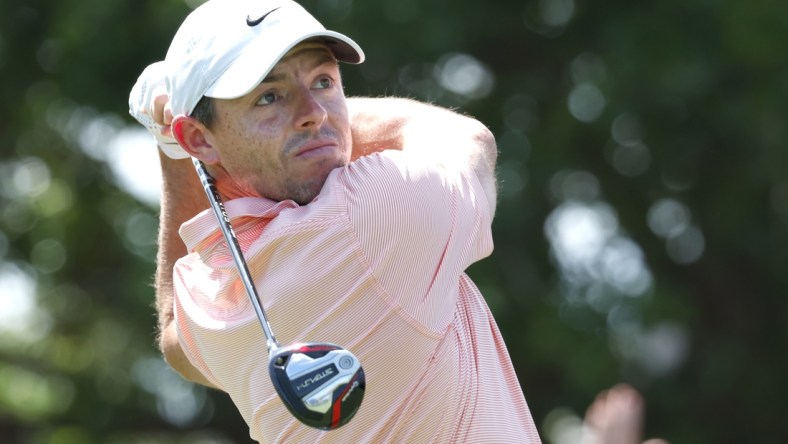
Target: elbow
x=176, y=358
x=171, y=349
x=173, y=353
x=485, y=163
x=485, y=140
x=486, y=150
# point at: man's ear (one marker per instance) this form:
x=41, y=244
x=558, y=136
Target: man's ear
x=193, y=137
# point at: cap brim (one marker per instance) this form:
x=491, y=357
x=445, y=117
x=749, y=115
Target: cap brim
x=257, y=60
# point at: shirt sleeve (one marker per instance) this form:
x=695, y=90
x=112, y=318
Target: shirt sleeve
x=419, y=225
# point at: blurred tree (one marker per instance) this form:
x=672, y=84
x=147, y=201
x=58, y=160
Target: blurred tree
x=642, y=230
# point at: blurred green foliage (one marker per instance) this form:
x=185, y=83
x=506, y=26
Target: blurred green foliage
x=641, y=235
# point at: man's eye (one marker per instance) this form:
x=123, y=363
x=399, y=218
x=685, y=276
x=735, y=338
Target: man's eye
x=323, y=83
x=268, y=98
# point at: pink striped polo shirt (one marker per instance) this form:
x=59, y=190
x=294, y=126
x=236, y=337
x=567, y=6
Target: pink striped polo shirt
x=375, y=264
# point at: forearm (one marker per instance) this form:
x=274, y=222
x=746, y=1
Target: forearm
x=181, y=199
x=375, y=126
x=393, y=123
x=179, y=203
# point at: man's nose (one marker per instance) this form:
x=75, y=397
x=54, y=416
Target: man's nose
x=310, y=112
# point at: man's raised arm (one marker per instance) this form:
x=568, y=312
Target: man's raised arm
x=453, y=139
x=182, y=198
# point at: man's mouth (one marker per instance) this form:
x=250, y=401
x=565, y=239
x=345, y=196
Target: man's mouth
x=315, y=149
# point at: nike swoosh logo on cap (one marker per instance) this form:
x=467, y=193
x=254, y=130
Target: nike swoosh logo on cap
x=251, y=22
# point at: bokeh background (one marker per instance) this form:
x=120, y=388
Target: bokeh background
x=641, y=234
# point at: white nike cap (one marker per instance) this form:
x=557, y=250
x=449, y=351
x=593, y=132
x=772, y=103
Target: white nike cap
x=225, y=48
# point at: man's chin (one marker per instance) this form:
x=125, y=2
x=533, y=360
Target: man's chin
x=325, y=167
x=305, y=185
x=306, y=191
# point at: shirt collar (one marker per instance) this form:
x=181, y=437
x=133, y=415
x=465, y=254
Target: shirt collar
x=205, y=224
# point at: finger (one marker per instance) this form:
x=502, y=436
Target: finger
x=159, y=103
x=167, y=114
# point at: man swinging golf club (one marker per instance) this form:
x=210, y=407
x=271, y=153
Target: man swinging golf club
x=356, y=219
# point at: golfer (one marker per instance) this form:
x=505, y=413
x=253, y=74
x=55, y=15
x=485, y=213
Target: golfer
x=357, y=219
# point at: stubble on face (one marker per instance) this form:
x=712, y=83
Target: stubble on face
x=301, y=189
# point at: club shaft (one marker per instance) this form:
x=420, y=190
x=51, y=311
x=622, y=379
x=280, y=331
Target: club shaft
x=235, y=249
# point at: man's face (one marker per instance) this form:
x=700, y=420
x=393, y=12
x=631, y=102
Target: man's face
x=282, y=139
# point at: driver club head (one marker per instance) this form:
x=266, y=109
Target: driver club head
x=321, y=384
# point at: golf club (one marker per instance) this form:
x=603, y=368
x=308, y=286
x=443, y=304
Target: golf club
x=321, y=384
